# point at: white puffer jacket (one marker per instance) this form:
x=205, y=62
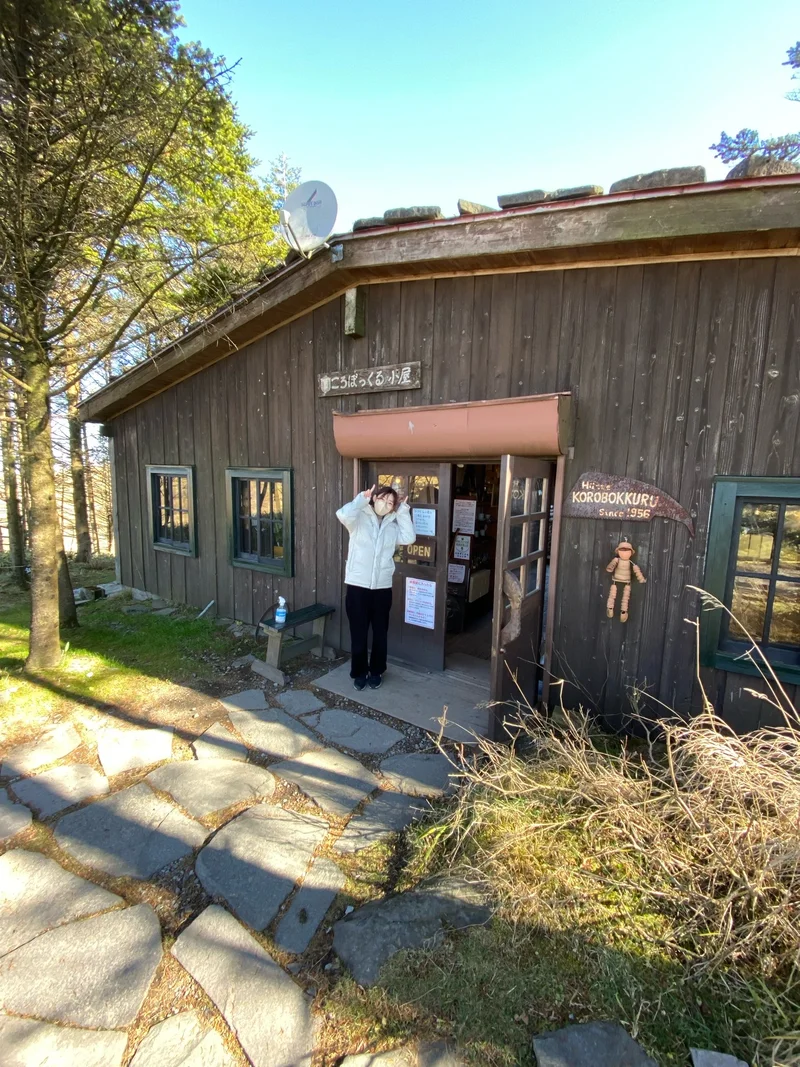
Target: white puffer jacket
x=373, y=542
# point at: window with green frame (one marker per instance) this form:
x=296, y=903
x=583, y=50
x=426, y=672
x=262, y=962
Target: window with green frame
x=170, y=494
x=260, y=519
x=753, y=567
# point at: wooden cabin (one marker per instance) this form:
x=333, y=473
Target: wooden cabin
x=545, y=382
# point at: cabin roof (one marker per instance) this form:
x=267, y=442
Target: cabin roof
x=710, y=220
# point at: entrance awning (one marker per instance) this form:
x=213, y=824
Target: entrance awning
x=481, y=429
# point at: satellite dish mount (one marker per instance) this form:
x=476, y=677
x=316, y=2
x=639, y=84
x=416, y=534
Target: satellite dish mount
x=308, y=216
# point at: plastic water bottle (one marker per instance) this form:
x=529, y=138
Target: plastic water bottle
x=280, y=612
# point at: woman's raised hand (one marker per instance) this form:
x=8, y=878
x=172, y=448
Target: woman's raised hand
x=368, y=493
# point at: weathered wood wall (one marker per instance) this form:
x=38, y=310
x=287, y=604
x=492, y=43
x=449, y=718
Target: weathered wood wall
x=679, y=372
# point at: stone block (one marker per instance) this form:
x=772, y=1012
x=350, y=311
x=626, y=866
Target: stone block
x=367, y=938
x=125, y=750
x=54, y=743
x=247, y=700
x=320, y=887
x=368, y=223
x=660, y=179
x=703, y=1058
x=265, y=670
x=269, y=1014
x=387, y=814
x=204, y=786
x=420, y=774
x=274, y=732
x=28, y=1043
x=420, y=213
x=335, y=782
x=532, y=196
x=299, y=701
x=182, y=1040
x=577, y=192
x=219, y=743
x=94, y=973
x=60, y=788
x=469, y=207
x=759, y=166
x=600, y=1044
x=13, y=817
x=358, y=732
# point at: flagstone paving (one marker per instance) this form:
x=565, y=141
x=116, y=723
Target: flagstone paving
x=421, y=774
x=357, y=732
x=124, y=750
x=387, y=814
x=28, y=1043
x=321, y=886
x=219, y=743
x=248, y=699
x=132, y=832
x=256, y=858
x=54, y=743
x=337, y=783
x=36, y=894
x=13, y=817
x=60, y=788
x=206, y=785
x=269, y=1014
x=182, y=1041
x=274, y=732
x=299, y=702
x=112, y=961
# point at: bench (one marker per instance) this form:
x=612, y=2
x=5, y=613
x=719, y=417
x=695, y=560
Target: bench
x=283, y=643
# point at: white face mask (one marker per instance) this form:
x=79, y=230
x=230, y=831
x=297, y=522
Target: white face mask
x=382, y=506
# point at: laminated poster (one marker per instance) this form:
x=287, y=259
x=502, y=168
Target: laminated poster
x=456, y=572
x=464, y=512
x=420, y=603
x=463, y=546
x=424, y=520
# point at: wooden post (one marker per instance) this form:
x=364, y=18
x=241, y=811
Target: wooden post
x=552, y=582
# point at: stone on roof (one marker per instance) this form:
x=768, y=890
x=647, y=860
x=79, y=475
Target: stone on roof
x=577, y=192
x=532, y=196
x=761, y=167
x=424, y=213
x=368, y=224
x=660, y=179
x=469, y=207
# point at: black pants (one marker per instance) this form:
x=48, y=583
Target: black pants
x=365, y=608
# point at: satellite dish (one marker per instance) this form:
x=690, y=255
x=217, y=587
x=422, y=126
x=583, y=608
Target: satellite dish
x=308, y=216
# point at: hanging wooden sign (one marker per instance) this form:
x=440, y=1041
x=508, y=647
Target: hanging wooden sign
x=371, y=379
x=608, y=496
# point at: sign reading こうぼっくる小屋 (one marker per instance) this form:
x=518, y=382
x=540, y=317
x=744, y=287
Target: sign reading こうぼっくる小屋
x=608, y=496
x=371, y=379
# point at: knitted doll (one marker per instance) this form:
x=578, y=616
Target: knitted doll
x=623, y=570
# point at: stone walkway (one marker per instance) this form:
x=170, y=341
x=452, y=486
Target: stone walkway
x=259, y=811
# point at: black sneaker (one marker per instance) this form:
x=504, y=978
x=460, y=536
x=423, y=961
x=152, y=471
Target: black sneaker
x=374, y=681
x=360, y=684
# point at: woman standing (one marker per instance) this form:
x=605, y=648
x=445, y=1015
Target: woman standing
x=377, y=521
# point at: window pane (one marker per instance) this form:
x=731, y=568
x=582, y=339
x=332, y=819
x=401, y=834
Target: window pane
x=537, y=496
x=253, y=498
x=534, y=533
x=265, y=549
x=518, y=496
x=243, y=496
x=759, y=524
x=785, y=626
x=749, y=605
x=163, y=524
x=398, y=482
x=277, y=540
x=244, y=536
x=515, y=541
x=424, y=489
x=277, y=500
x=533, y=583
x=264, y=501
x=161, y=490
x=183, y=491
x=789, y=561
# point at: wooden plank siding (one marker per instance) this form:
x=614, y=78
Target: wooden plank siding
x=679, y=371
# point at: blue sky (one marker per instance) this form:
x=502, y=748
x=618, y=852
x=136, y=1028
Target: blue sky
x=424, y=102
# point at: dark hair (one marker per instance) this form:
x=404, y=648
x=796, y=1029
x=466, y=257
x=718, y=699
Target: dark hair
x=386, y=490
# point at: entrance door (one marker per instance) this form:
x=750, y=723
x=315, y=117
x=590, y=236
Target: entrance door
x=419, y=601
x=519, y=581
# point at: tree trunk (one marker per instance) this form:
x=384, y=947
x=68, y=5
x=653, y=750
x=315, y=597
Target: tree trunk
x=67, y=612
x=16, y=538
x=79, y=506
x=87, y=460
x=45, y=536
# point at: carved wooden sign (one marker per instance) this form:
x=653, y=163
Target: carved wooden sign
x=371, y=379
x=607, y=496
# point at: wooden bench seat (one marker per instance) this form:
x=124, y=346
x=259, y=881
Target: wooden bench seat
x=283, y=643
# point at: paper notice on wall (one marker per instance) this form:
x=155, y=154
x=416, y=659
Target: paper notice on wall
x=462, y=547
x=456, y=572
x=464, y=512
x=420, y=603
x=424, y=521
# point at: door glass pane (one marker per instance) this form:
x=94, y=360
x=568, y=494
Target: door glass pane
x=785, y=626
x=789, y=561
x=398, y=482
x=757, y=531
x=534, y=534
x=537, y=496
x=749, y=605
x=518, y=496
x=533, y=582
x=515, y=541
x=423, y=489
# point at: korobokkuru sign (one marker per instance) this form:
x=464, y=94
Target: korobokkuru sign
x=371, y=379
x=607, y=496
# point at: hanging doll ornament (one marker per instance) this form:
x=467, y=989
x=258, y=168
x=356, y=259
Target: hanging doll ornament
x=622, y=570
